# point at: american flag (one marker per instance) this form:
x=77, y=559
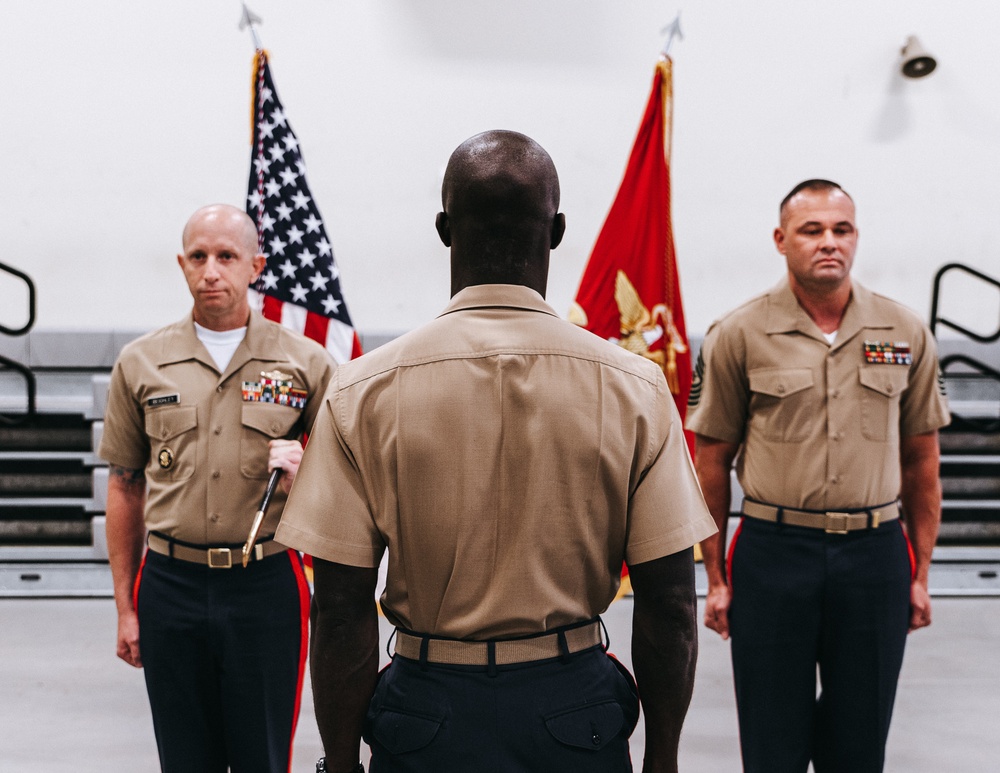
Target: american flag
x=300, y=286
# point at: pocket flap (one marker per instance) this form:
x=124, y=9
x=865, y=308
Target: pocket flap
x=399, y=732
x=889, y=380
x=780, y=382
x=165, y=423
x=588, y=727
x=271, y=419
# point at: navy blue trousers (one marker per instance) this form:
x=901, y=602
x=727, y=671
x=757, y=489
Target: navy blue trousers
x=802, y=601
x=552, y=715
x=223, y=652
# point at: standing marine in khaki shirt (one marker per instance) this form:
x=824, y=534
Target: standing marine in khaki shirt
x=509, y=462
x=827, y=396
x=190, y=442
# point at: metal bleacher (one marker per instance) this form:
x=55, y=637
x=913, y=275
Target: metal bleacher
x=53, y=488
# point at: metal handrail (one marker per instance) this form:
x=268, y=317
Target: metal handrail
x=31, y=302
x=975, y=424
x=31, y=385
x=935, y=319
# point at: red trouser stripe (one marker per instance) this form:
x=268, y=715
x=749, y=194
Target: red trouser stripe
x=304, y=599
x=729, y=555
x=912, y=556
x=135, y=585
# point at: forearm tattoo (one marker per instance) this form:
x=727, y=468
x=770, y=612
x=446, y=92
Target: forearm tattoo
x=127, y=475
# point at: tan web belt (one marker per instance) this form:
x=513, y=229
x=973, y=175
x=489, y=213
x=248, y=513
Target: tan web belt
x=832, y=522
x=214, y=558
x=504, y=652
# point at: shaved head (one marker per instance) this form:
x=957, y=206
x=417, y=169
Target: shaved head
x=500, y=215
x=223, y=217
x=220, y=261
x=494, y=171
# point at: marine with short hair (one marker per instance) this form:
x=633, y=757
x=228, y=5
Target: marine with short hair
x=827, y=396
x=191, y=441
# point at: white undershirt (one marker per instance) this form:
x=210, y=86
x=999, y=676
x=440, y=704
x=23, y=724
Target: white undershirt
x=221, y=344
x=830, y=337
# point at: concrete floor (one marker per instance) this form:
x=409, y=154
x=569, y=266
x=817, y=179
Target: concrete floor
x=68, y=705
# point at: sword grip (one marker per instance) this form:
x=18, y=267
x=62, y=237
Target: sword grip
x=272, y=484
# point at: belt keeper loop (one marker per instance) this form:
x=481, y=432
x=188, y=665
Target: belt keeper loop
x=491, y=658
x=424, y=644
x=170, y=549
x=779, y=516
x=563, y=646
x=871, y=519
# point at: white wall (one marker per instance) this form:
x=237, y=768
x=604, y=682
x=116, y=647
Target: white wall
x=118, y=118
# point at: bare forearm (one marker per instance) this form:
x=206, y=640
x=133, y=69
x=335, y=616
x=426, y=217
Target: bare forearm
x=126, y=531
x=921, y=497
x=343, y=660
x=713, y=463
x=664, y=652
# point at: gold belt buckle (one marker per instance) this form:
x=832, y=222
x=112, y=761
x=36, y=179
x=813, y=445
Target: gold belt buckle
x=836, y=523
x=220, y=558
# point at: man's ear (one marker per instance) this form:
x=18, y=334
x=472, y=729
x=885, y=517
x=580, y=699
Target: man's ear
x=558, y=229
x=779, y=240
x=259, y=262
x=443, y=228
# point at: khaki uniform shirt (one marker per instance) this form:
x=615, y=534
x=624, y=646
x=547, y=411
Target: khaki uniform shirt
x=819, y=424
x=508, y=460
x=203, y=447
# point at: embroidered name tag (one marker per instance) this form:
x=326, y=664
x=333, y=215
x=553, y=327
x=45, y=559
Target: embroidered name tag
x=888, y=353
x=153, y=402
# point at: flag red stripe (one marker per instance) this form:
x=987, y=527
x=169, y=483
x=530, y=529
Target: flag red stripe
x=316, y=327
x=272, y=308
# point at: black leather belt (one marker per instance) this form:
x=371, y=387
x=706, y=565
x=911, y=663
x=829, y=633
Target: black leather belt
x=213, y=558
x=830, y=521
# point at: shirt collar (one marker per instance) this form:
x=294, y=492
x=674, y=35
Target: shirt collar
x=784, y=315
x=498, y=295
x=181, y=343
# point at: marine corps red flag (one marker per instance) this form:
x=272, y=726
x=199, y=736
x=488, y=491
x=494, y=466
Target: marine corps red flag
x=300, y=286
x=630, y=293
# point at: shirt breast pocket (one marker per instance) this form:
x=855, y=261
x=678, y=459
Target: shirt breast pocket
x=262, y=423
x=882, y=387
x=781, y=404
x=173, y=441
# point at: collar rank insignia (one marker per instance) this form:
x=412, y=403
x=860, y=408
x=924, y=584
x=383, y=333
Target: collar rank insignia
x=274, y=387
x=888, y=353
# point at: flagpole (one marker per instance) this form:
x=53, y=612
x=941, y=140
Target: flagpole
x=249, y=19
x=672, y=30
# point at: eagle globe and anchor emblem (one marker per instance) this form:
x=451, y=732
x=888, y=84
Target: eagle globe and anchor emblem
x=640, y=328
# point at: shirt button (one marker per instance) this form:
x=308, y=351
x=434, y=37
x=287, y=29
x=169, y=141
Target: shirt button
x=835, y=394
x=218, y=388
x=835, y=479
x=218, y=430
x=214, y=517
x=216, y=474
x=781, y=389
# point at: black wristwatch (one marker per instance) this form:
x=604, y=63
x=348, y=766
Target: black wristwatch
x=322, y=768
